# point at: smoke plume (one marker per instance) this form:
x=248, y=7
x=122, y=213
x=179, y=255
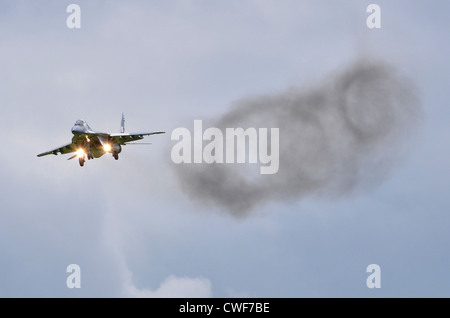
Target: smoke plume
x=337, y=137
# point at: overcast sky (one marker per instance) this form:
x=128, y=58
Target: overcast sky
x=129, y=225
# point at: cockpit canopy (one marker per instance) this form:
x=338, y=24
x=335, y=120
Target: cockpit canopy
x=79, y=122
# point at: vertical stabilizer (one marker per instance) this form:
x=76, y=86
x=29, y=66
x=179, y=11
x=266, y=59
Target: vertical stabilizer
x=122, y=124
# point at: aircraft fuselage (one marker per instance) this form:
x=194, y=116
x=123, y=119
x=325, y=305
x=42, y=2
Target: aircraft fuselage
x=95, y=144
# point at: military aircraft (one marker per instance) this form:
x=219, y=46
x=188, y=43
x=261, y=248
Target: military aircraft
x=93, y=144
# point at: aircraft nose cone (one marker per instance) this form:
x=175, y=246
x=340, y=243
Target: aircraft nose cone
x=77, y=130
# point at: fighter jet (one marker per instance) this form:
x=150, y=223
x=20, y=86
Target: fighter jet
x=90, y=144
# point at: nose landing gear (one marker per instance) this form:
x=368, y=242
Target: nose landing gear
x=115, y=155
x=81, y=161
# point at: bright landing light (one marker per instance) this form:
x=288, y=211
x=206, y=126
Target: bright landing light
x=107, y=147
x=80, y=153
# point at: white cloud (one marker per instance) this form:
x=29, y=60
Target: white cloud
x=176, y=287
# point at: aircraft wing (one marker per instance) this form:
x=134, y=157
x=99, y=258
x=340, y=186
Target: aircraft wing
x=122, y=138
x=61, y=150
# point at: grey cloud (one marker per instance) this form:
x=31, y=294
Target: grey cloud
x=336, y=137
